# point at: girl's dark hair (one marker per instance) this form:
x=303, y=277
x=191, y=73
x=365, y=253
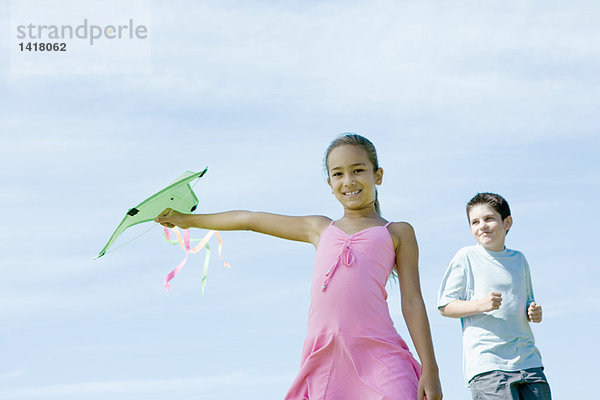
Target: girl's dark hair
x=497, y=202
x=364, y=143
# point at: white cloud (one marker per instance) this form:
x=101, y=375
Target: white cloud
x=501, y=62
x=207, y=387
x=17, y=373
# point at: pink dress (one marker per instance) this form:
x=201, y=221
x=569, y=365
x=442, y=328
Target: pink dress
x=352, y=350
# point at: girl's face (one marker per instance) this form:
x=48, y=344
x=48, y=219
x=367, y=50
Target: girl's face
x=488, y=228
x=352, y=176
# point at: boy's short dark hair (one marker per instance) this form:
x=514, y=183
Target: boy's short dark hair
x=497, y=202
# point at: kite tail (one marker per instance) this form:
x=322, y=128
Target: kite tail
x=184, y=242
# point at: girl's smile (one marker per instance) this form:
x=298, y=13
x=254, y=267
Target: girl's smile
x=352, y=194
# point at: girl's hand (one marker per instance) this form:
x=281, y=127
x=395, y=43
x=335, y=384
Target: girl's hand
x=430, y=387
x=171, y=218
x=534, y=312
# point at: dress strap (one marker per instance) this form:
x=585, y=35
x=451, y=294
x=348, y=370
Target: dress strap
x=386, y=225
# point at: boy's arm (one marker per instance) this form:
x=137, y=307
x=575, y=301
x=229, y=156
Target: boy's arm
x=464, y=308
x=534, y=310
x=302, y=229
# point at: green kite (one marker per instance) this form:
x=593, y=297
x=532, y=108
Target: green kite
x=178, y=195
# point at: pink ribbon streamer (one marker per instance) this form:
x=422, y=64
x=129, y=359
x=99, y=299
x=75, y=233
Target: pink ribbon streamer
x=184, y=242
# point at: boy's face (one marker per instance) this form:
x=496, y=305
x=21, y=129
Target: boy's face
x=488, y=228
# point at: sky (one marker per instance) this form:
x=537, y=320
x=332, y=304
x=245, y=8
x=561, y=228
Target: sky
x=458, y=97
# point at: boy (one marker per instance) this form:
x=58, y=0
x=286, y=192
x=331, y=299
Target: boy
x=489, y=288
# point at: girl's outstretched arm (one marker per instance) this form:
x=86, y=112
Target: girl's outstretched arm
x=413, y=309
x=303, y=229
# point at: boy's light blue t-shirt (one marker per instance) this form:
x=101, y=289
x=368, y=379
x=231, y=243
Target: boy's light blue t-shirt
x=501, y=339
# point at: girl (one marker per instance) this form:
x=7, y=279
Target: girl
x=352, y=350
